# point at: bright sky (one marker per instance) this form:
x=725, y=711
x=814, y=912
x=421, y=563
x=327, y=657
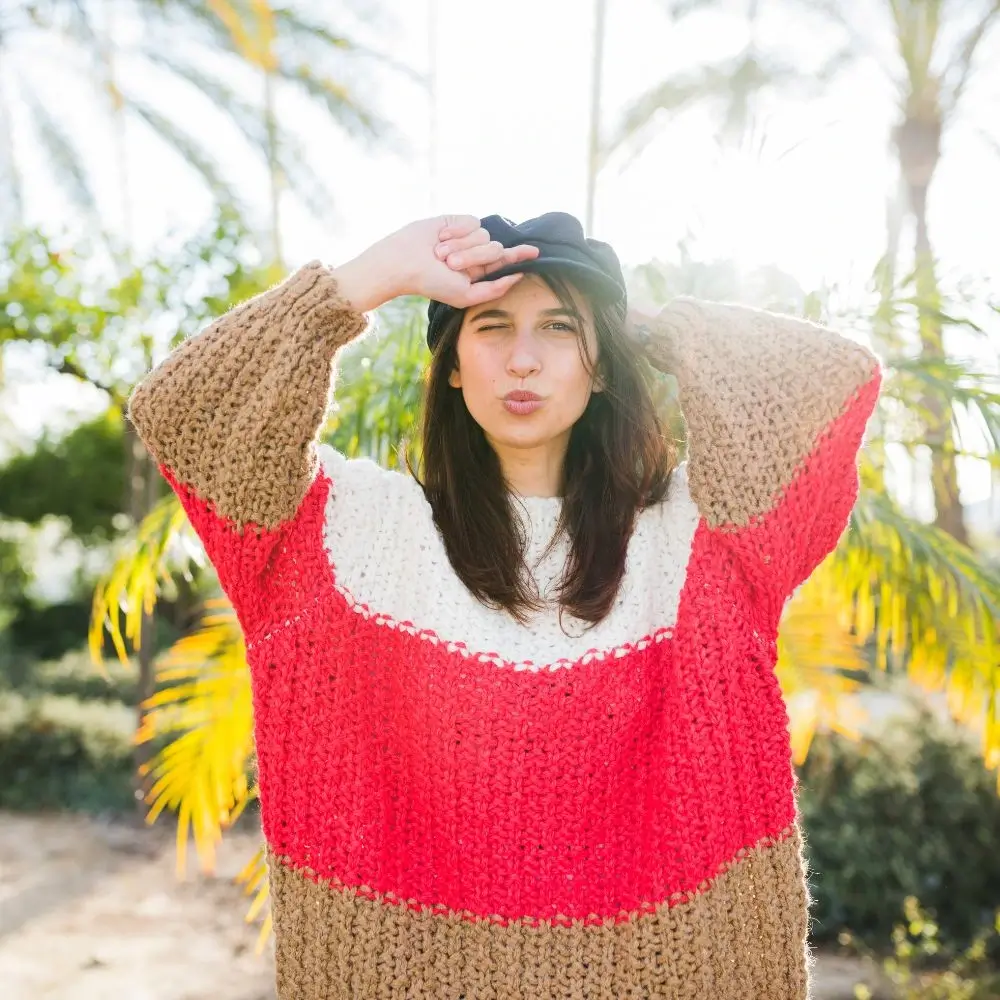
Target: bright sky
x=512, y=114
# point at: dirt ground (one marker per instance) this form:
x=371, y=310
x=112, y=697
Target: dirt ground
x=92, y=910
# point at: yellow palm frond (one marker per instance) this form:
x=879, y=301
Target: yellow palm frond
x=136, y=579
x=912, y=596
x=204, y=708
x=819, y=662
x=255, y=883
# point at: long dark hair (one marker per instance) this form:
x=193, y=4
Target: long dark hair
x=618, y=461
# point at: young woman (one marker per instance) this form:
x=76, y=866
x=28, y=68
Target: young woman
x=517, y=724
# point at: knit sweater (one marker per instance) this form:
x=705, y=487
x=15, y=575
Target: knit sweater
x=459, y=805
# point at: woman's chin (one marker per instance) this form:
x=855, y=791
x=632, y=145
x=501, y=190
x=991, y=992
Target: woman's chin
x=521, y=434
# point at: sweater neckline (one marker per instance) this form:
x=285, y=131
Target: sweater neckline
x=538, y=506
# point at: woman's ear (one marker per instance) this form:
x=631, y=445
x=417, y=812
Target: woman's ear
x=454, y=379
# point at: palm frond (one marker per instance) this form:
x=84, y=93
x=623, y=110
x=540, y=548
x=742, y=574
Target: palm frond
x=916, y=598
x=255, y=883
x=918, y=594
x=304, y=32
x=292, y=160
x=62, y=155
x=820, y=663
x=679, y=9
x=13, y=188
x=189, y=14
x=137, y=577
x=860, y=40
x=964, y=59
x=732, y=83
x=955, y=383
x=192, y=152
x=341, y=105
x=204, y=706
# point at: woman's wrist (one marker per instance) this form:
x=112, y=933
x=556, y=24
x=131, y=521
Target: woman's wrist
x=362, y=283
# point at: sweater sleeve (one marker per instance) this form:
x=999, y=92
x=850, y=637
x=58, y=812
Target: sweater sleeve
x=776, y=408
x=231, y=416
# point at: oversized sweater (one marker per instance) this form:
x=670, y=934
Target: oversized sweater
x=458, y=805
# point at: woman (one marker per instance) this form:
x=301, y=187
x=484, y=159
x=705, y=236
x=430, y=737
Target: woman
x=517, y=723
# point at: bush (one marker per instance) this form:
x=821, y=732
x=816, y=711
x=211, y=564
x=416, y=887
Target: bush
x=919, y=968
x=71, y=674
x=61, y=752
x=912, y=812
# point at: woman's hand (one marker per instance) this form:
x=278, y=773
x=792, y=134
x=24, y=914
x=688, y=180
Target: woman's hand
x=442, y=258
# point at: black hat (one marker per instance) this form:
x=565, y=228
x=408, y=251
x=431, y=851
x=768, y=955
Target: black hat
x=562, y=247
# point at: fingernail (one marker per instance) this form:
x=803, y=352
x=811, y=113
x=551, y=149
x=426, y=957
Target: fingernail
x=442, y=251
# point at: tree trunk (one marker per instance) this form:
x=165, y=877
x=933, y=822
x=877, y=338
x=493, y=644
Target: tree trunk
x=273, y=166
x=918, y=144
x=949, y=516
x=142, y=487
x=594, y=151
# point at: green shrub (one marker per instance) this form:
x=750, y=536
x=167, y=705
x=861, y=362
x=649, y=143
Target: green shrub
x=912, y=812
x=920, y=968
x=73, y=674
x=60, y=752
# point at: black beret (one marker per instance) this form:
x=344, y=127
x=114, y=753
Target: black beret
x=587, y=262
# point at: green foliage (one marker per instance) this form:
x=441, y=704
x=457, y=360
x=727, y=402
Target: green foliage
x=108, y=331
x=71, y=675
x=45, y=631
x=80, y=476
x=915, y=967
x=910, y=812
x=377, y=411
x=14, y=578
x=61, y=752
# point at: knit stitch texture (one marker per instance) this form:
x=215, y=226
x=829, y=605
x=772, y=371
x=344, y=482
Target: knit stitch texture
x=458, y=805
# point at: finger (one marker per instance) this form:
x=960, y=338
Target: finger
x=458, y=225
x=479, y=237
x=485, y=254
x=513, y=255
x=486, y=291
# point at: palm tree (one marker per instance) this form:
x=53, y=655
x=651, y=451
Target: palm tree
x=113, y=50
x=935, y=55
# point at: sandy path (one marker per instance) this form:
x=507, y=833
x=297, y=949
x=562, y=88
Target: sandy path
x=91, y=910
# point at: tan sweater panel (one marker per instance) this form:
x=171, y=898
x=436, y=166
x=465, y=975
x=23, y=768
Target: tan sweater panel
x=234, y=411
x=757, y=391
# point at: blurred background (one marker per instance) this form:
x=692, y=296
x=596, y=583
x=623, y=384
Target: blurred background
x=161, y=160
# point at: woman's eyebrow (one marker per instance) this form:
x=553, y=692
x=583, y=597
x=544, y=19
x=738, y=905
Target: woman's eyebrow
x=505, y=314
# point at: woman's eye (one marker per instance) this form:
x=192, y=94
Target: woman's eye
x=565, y=326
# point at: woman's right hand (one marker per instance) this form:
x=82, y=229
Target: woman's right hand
x=405, y=263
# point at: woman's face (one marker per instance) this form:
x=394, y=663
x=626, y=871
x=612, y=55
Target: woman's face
x=525, y=345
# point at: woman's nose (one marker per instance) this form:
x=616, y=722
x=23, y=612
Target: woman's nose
x=524, y=358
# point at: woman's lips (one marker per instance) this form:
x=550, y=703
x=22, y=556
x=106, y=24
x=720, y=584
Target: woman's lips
x=522, y=406
x=522, y=402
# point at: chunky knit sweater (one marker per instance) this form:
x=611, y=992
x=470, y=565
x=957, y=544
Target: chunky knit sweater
x=459, y=805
